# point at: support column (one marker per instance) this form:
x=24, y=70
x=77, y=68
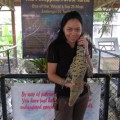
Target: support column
x=14, y=37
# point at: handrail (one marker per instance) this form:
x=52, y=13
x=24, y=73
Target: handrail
x=8, y=56
x=107, y=52
x=8, y=49
x=13, y=46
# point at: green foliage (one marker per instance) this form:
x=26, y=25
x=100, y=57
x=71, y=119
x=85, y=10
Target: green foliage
x=105, y=16
x=41, y=64
x=99, y=16
x=109, y=15
x=6, y=38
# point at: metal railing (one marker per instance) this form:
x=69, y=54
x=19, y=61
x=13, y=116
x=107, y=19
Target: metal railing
x=107, y=79
x=7, y=51
x=99, y=63
x=3, y=92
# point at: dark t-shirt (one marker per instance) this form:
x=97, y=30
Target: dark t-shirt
x=62, y=54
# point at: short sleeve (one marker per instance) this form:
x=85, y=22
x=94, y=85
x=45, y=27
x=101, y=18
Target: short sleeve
x=52, y=55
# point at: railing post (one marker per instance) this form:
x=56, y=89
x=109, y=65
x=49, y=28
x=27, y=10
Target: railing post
x=8, y=57
x=106, y=98
x=3, y=99
x=99, y=61
x=118, y=90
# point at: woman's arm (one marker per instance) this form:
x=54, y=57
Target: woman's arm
x=52, y=73
x=56, y=78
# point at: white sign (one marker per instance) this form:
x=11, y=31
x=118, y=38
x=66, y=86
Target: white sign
x=36, y=102
x=33, y=101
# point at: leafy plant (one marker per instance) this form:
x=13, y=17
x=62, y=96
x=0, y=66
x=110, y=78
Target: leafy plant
x=41, y=64
x=6, y=37
x=106, y=17
x=109, y=15
x=99, y=16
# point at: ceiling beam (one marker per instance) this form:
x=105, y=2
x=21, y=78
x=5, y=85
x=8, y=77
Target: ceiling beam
x=97, y=3
x=102, y=3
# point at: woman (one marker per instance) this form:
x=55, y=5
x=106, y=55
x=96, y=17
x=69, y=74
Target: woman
x=60, y=56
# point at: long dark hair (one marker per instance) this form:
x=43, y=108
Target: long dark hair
x=65, y=19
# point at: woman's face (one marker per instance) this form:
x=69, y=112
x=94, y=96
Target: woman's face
x=72, y=30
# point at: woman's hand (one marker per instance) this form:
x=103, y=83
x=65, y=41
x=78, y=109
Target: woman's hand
x=71, y=84
x=83, y=41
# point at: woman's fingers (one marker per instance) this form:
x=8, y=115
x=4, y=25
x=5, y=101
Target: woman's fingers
x=83, y=41
x=69, y=84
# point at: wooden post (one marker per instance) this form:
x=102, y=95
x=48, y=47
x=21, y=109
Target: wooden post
x=14, y=37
